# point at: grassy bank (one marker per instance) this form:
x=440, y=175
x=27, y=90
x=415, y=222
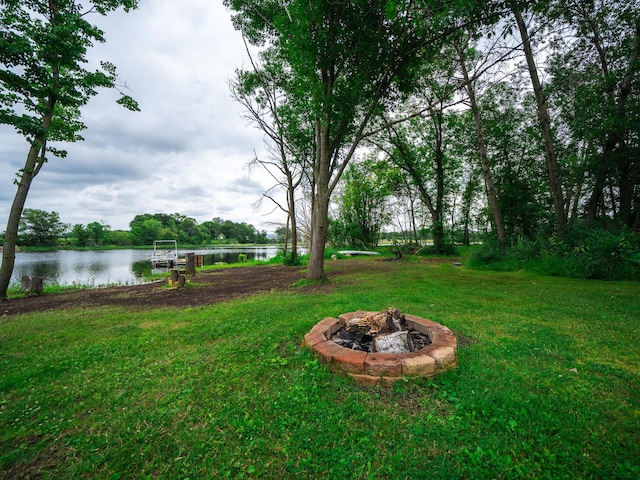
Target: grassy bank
x=547, y=386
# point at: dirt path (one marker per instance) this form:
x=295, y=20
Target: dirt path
x=208, y=288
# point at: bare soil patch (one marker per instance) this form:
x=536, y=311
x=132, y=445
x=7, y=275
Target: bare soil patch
x=207, y=288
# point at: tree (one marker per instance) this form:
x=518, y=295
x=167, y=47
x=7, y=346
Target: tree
x=544, y=119
x=144, y=229
x=348, y=61
x=43, y=85
x=420, y=147
x=363, y=209
x=492, y=197
x=40, y=228
x=98, y=233
x=515, y=152
x=214, y=228
x=120, y=237
x=80, y=233
x=594, y=83
x=263, y=95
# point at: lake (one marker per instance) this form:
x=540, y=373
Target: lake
x=120, y=267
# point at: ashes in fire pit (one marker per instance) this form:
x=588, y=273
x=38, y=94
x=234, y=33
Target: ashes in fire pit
x=383, y=347
x=382, y=332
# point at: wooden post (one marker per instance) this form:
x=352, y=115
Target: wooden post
x=36, y=285
x=26, y=283
x=174, y=275
x=191, y=266
x=182, y=280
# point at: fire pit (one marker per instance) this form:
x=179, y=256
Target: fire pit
x=427, y=348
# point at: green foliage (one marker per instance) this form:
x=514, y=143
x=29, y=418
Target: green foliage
x=517, y=170
x=292, y=261
x=448, y=249
x=595, y=253
x=493, y=256
x=119, y=237
x=81, y=235
x=40, y=228
x=148, y=227
x=362, y=205
x=288, y=260
x=94, y=234
x=43, y=46
x=190, y=394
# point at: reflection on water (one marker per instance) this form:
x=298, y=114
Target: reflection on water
x=107, y=267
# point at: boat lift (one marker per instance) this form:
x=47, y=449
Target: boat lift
x=165, y=254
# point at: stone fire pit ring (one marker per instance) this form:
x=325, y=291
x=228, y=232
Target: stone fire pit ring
x=368, y=368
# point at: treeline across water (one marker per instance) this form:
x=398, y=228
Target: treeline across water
x=39, y=228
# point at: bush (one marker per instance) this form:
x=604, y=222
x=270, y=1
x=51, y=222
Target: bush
x=595, y=254
x=445, y=249
x=287, y=259
x=493, y=256
x=291, y=261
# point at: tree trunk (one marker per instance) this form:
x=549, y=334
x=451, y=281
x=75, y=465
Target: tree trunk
x=11, y=234
x=436, y=215
x=555, y=186
x=320, y=205
x=286, y=236
x=292, y=217
x=31, y=168
x=412, y=213
x=492, y=196
x=315, y=268
x=626, y=187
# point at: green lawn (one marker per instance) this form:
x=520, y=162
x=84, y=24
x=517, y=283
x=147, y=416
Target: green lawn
x=547, y=386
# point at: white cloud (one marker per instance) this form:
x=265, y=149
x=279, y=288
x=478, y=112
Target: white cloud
x=185, y=152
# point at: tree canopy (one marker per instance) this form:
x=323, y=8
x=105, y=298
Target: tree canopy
x=348, y=61
x=537, y=100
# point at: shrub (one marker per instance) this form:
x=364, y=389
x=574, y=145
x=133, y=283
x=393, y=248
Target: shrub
x=493, y=256
x=596, y=254
x=291, y=261
x=444, y=249
x=287, y=259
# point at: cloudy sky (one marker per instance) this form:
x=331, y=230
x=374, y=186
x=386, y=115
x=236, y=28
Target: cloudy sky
x=185, y=152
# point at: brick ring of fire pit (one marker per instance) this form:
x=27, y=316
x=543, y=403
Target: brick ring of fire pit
x=374, y=368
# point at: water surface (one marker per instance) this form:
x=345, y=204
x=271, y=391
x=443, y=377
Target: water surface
x=109, y=267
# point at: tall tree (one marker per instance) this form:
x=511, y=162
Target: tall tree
x=492, y=196
x=594, y=79
x=553, y=171
x=419, y=145
x=515, y=152
x=263, y=94
x=43, y=85
x=348, y=60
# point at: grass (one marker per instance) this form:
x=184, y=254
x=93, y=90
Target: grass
x=547, y=386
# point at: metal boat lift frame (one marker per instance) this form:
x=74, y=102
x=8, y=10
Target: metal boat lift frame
x=165, y=254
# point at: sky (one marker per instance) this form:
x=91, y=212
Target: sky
x=185, y=152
